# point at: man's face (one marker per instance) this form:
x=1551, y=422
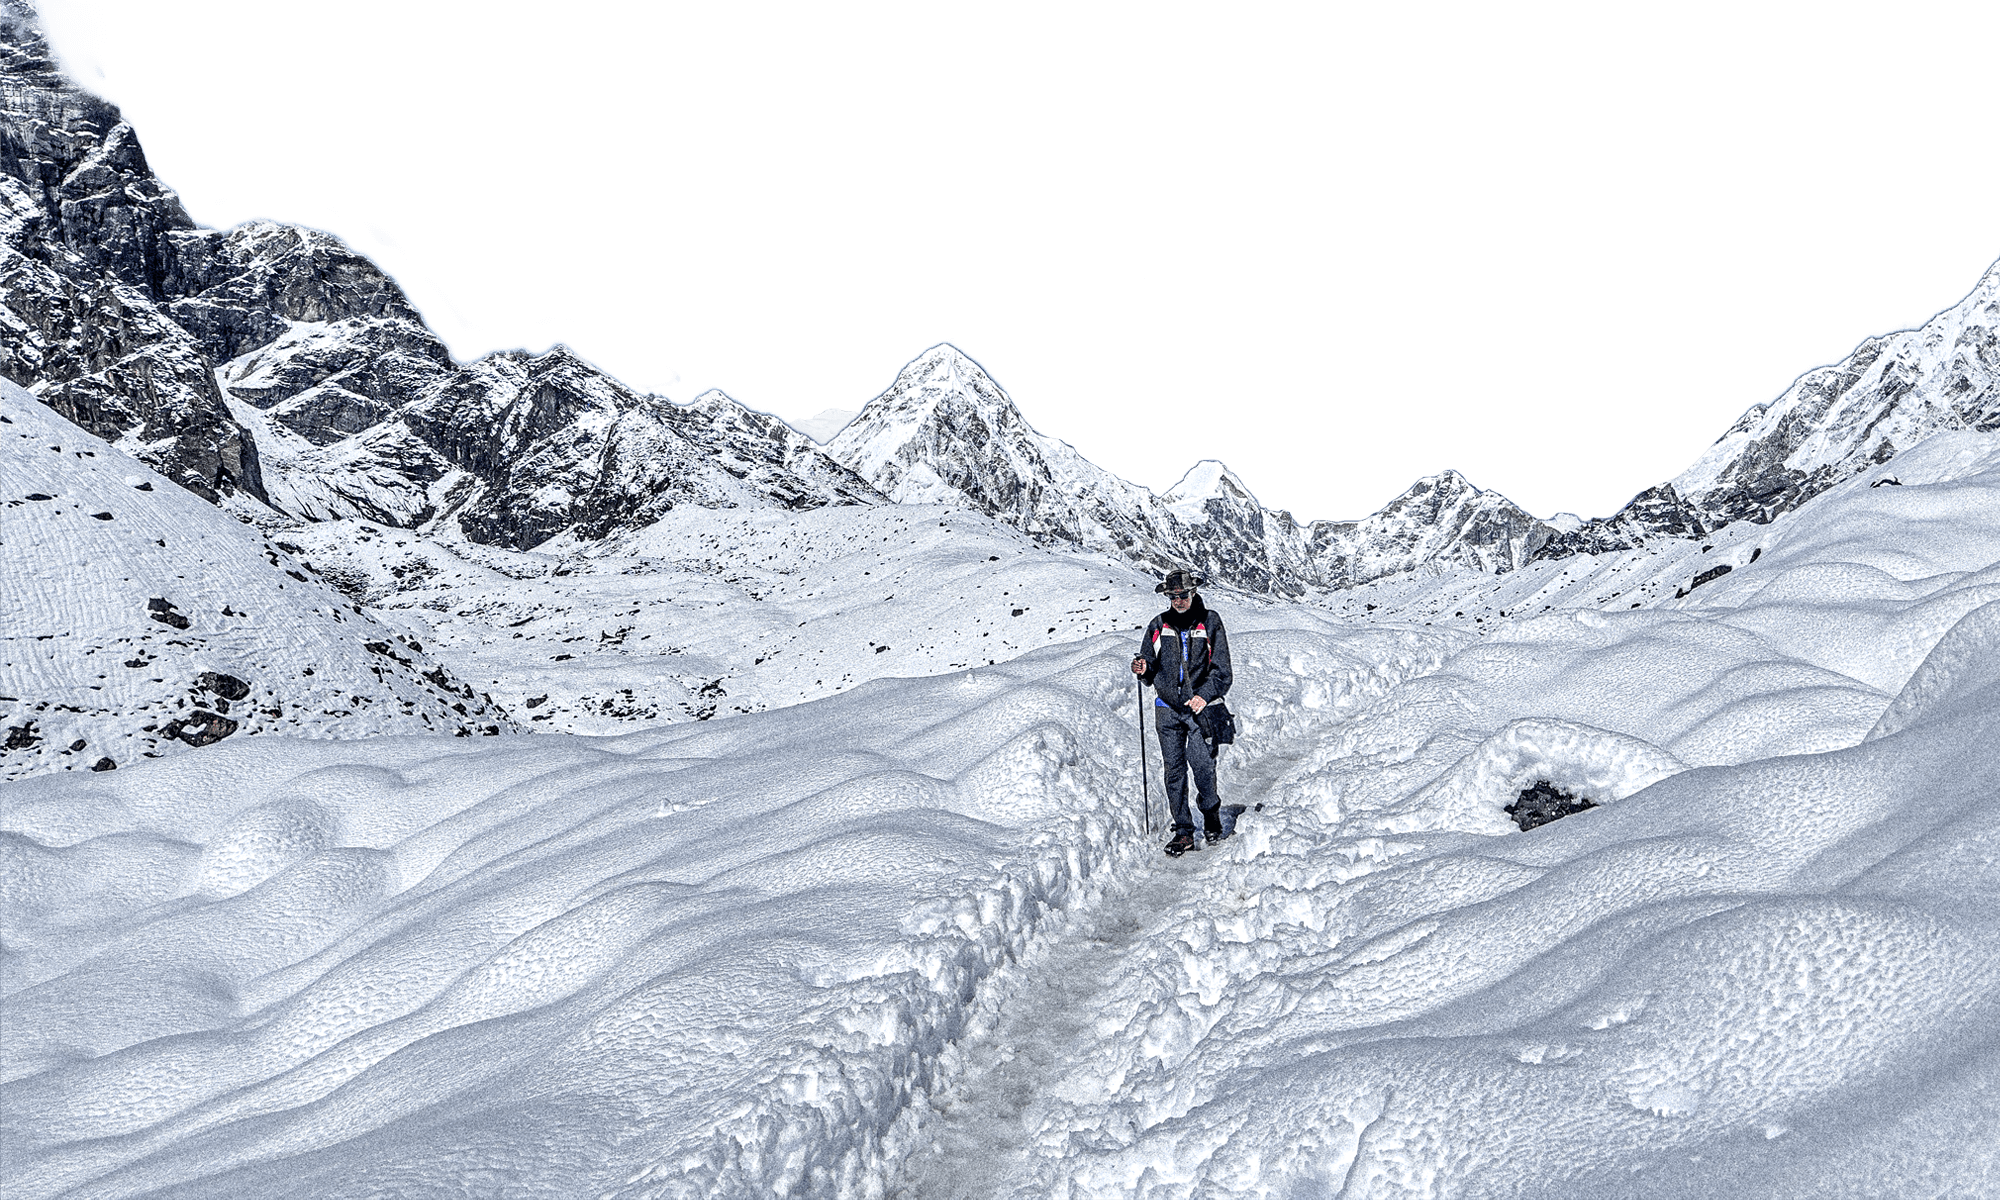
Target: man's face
x=1182, y=601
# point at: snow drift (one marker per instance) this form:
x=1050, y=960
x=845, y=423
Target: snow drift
x=913, y=940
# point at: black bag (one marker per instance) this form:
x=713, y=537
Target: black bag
x=1218, y=724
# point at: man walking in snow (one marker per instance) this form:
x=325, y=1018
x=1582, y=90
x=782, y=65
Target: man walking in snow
x=1184, y=654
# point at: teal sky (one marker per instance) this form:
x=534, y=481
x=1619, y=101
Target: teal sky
x=1554, y=247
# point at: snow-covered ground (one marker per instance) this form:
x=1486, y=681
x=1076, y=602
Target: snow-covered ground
x=717, y=612
x=908, y=935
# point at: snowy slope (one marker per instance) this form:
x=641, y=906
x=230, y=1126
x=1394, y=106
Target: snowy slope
x=705, y=614
x=912, y=940
x=141, y=621
x=1767, y=966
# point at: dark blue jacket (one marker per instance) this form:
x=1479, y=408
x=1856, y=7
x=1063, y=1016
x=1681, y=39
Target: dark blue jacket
x=1186, y=655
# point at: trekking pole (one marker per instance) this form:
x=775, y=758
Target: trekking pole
x=1145, y=769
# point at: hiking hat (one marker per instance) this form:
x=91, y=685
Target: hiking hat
x=1179, y=581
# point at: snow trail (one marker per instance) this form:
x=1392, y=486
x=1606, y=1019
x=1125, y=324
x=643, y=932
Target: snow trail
x=1023, y=1091
x=980, y=1136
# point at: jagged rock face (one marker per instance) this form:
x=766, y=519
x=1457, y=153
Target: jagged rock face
x=334, y=399
x=1837, y=421
x=945, y=432
x=1441, y=519
x=85, y=236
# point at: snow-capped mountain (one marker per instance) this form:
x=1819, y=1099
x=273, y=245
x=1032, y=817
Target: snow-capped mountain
x=945, y=432
x=1833, y=423
x=272, y=360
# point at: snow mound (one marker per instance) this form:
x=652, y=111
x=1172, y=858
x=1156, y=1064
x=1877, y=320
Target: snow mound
x=328, y=923
x=1593, y=763
x=1964, y=663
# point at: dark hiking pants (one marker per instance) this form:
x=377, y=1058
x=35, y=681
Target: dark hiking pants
x=1182, y=749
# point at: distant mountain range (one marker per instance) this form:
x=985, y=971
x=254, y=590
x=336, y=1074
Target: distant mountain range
x=271, y=363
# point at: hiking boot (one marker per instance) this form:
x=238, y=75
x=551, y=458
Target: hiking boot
x=1218, y=835
x=1182, y=843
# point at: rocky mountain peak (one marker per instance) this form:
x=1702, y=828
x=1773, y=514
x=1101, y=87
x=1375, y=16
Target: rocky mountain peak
x=1208, y=482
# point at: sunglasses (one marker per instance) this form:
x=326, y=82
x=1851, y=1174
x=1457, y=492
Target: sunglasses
x=1181, y=595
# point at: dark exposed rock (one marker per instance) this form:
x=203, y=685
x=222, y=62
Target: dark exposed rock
x=84, y=258
x=21, y=737
x=104, y=764
x=1545, y=802
x=199, y=728
x=229, y=687
x=162, y=610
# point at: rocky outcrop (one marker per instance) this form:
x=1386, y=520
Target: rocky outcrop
x=86, y=235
